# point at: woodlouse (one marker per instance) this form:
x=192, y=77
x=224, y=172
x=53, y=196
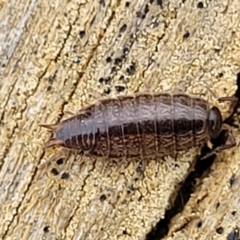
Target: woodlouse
x=142, y=125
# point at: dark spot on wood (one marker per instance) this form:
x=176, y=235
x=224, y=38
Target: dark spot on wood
x=120, y=88
x=118, y=61
x=232, y=180
x=107, y=90
x=199, y=224
x=140, y=14
x=101, y=79
x=127, y=4
x=78, y=60
x=140, y=198
x=217, y=205
x=113, y=69
x=220, y=75
x=121, y=78
x=46, y=229
x=131, y=69
x=124, y=232
x=54, y=171
x=125, y=51
x=234, y=213
x=146, y=9
x=186, y=35
x=200, y=5
x=216, y=50
x=159, y=2
x=52, y=78
x=154, y=24
x=102, y=2
x=82, y=33
x=123, y=28
x=60, y=161
x=219, y=230
x=103, y=197
x=108, y=59
x=65, y=175
x=108, y=80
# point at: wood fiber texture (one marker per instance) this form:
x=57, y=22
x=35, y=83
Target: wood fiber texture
x=58, y=56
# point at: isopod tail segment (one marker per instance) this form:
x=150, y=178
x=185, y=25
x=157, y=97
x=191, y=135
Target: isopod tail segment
x=52, y=128
x=232, y=143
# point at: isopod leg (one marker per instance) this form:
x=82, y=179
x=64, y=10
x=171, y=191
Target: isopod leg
x=225, y=146
x=53, y=142
x=230, y=99
x=52, y=128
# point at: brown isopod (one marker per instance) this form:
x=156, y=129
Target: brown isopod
x=142, y=125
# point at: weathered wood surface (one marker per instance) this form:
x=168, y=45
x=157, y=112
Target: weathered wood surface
x=52, y=53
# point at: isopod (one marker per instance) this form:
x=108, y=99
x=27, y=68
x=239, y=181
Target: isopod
x=142, y=125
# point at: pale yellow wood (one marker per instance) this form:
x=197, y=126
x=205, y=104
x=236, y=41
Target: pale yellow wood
x=52, y=55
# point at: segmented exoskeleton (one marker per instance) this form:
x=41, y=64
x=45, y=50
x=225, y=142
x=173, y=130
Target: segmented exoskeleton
x=142, y=125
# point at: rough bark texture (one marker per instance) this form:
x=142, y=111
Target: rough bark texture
x=53, y=56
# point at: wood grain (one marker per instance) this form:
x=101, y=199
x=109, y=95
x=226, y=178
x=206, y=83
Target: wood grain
x=57, y=56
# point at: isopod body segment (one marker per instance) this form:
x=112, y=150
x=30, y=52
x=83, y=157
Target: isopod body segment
x=142, y=125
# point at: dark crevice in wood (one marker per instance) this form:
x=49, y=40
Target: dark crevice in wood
x=200, y=171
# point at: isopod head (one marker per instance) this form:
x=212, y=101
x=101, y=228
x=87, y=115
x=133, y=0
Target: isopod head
x=214, y=122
